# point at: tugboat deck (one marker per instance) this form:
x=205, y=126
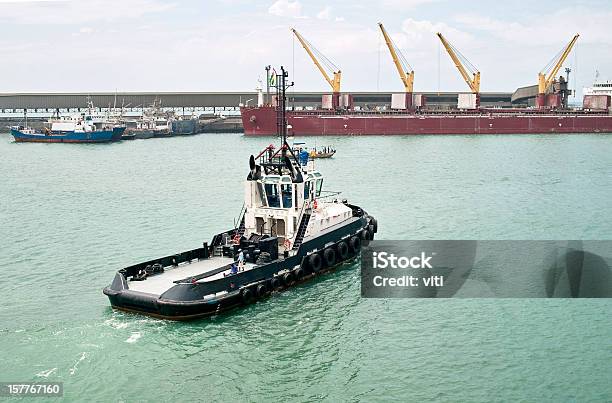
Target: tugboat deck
x=157, y=284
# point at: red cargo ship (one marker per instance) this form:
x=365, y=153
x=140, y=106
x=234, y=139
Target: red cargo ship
x=262, y=121
x=409, y=115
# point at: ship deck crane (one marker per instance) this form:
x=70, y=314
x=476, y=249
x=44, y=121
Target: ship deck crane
x=313, y=53
x=463, y=65
x=404, y=69
x=547, y=75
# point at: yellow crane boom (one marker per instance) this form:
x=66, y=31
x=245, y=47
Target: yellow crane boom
x=335, y=82
x=544, y=80
x=407, y=77
x=474, y=81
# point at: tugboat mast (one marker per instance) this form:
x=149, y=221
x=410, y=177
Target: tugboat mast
x=281, y=105
x=286, y=159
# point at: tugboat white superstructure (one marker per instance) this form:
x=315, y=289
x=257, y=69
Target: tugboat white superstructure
x=289, y=230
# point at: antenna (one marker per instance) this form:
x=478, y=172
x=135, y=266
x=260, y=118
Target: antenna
x=285, y=152
x=281, y=105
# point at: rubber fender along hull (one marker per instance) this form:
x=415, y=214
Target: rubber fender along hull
x=191, y=301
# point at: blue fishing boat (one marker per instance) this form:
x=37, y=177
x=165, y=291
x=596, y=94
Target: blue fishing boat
x=80, y=129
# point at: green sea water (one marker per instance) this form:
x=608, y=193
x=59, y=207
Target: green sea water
x=71, y=215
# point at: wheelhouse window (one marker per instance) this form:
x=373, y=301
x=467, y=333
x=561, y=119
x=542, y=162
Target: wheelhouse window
x=319, y=186
x=307, y=190
x=272, y=195
x=287, y=195
x=261, y=194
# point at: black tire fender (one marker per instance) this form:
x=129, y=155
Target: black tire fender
x=298, y=274
x=247, y=295
x=305, y=265
x=288, y=278
x=343, y=250
x=261, y=290
x=355, y=243
x=275, y=283
x=371, y=231
x=329, y=256
x=315, y=262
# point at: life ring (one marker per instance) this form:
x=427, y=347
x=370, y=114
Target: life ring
x=315, y=205
x=287, y=244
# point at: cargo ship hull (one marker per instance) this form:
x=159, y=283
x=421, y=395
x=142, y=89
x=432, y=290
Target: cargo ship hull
x=262, y=121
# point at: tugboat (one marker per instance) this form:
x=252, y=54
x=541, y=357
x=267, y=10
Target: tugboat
x=289, y=231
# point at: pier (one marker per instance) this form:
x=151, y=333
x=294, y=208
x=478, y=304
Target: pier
x=215, y=102
x=218, y=111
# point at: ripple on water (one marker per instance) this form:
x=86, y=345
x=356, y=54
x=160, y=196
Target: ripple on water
x=71, y=227
x=134, y=337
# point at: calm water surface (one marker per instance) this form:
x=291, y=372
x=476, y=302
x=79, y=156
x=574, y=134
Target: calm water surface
x=72, y=215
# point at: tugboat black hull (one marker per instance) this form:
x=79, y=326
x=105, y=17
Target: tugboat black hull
x=192, y=300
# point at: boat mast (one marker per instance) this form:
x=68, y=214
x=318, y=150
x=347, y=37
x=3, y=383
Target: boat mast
x=281, y=106
x=285, y=152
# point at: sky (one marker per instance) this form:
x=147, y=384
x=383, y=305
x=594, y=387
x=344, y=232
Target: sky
x=223, y=45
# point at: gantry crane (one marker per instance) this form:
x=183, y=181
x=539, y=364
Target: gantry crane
x=547, y=76
x=463, y=64
x=406, y=72
x=311, y=50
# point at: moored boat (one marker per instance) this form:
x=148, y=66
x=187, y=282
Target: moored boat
x=69, y=130
x=149, y=126
x=288, y=231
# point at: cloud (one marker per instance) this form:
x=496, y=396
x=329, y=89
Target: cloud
x=555, y=28
x=508, y=51
x=67, y=12
x=420, y=33
x=286, y=8
x=28, y=1
x=407, y=4
x=324, y=14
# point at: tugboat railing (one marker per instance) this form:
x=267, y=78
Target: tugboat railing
x=301, y=215
x=240, y=216
x=329, y=194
